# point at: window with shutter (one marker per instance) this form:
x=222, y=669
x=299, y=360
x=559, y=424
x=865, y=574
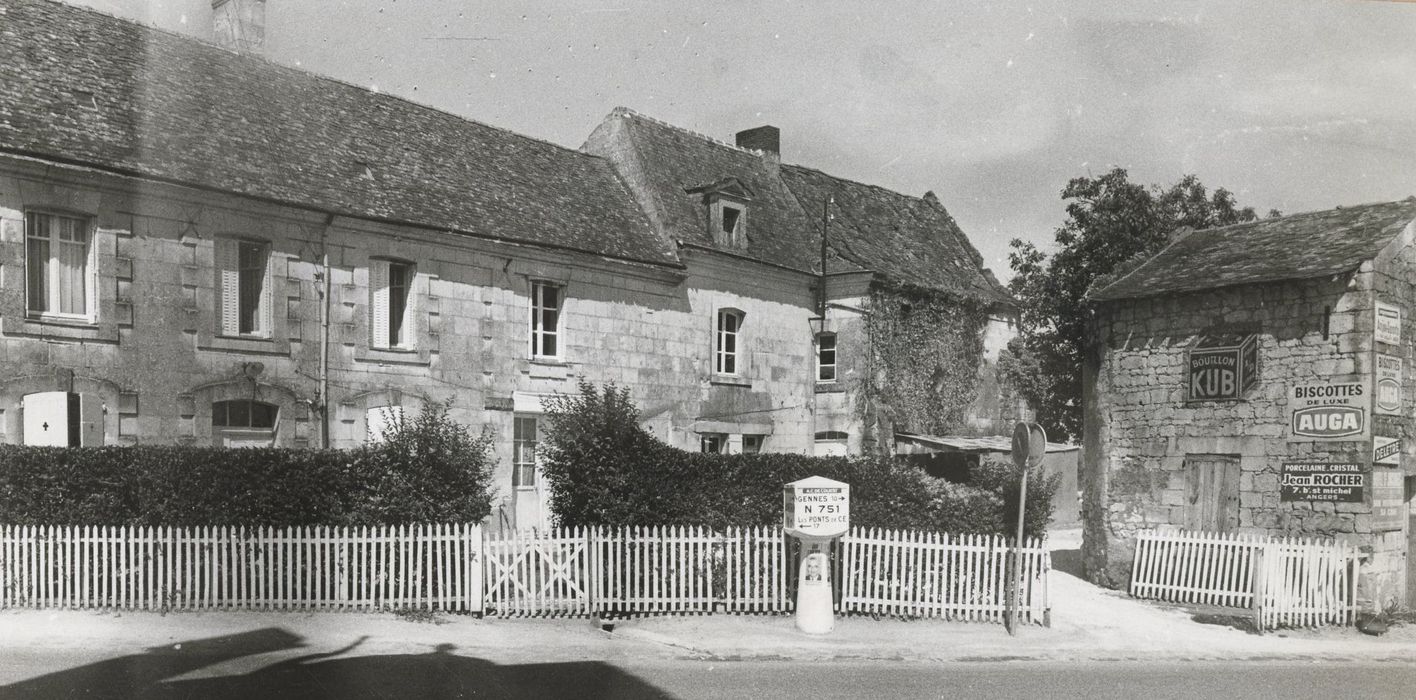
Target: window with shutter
x=228, y=286
x=378, y=303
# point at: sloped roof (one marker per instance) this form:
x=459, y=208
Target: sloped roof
x=1301, y=246
x=909, y=239
x=85, y=87
x=663, y=162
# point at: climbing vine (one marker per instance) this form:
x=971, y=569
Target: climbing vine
x=922, y=373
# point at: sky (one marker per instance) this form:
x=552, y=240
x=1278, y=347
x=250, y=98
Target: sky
x=1295, y=106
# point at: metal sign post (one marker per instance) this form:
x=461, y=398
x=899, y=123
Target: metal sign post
x=1029, y=447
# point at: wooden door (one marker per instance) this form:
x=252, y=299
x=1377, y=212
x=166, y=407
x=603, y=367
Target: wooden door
x=1212, y=498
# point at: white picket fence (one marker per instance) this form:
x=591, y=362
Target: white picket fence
x=931, y=574
x=435, y=567
x=603, y=570
x=1285, y=582
x=580, y=571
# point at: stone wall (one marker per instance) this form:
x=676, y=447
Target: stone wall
x=1139, y=427
x=154, y=358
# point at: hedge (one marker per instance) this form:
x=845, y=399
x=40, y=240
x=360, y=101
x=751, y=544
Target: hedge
x=603, y=469
x=428, y=469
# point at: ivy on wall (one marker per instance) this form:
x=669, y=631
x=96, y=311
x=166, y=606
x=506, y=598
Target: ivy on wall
x=922, y=373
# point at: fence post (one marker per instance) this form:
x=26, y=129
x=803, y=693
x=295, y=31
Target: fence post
x=1259, y=583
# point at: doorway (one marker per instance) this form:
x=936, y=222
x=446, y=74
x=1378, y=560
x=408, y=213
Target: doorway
x=1212, y=492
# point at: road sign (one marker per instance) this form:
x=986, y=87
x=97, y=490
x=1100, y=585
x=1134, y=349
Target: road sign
x=816, y=507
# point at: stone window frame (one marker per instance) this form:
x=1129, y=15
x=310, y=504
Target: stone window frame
x=535, y=332
x=89, y=274
x=381, y=307
x=722, y=356
x=821, y=350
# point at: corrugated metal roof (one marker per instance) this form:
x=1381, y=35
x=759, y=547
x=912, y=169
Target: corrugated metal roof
x=991, y=443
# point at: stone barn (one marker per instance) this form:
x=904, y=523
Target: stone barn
x=1251, y=379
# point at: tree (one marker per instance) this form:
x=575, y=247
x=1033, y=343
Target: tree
x=1112, y=226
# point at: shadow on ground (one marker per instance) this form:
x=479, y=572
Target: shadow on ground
x=438, y=674
x=1068, y=561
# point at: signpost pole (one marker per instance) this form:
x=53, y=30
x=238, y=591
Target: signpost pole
x=1029, y=447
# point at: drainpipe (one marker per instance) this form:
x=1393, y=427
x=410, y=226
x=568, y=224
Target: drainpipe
x=324, y=333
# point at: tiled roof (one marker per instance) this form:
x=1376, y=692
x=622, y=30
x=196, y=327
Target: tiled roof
x=86, y=87
x=661, y=162
x=907, y=239
x=1301, y=246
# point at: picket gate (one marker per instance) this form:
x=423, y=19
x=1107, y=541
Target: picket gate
x=1283, y=582
x=430, y=566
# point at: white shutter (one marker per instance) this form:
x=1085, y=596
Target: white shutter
x=378, y=303
x=267, y=310
x=228, y=289
x=46, y=419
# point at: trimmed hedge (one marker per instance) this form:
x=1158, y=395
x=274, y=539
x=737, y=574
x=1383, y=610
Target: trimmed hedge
x=603, y=469
x=428, y=469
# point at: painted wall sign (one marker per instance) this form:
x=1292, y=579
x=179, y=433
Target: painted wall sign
x=1222, y=368
x=1388, y=328
x=1334, y=410
x=1388, y=508
x=1386, y=450
x=1322, y=481
x=1389, y=383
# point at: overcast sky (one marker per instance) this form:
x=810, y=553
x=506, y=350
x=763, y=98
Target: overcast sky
x=1292, y=105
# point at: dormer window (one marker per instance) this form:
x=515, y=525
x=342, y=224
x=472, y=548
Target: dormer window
x=726, y=201
x=731, y=221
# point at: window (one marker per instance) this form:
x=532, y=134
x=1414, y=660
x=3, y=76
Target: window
x=390, y=296
x=243, y=423
x=244, y=287
x=57, y=264
x=242, y=413
x=712, y=443
x=545, y=320
x=831, y=443
x=732, y=217
x=523, y=460
x=751, y=444
x=826, y=357
x=725, y=356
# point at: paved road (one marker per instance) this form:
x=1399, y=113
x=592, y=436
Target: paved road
x=445, y=675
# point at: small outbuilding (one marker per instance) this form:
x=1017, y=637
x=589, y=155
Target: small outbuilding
x=1251, y=379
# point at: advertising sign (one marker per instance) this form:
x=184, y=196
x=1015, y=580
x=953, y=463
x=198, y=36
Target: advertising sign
x=1388, y=328
x=1222, y=368
x=1332, y=410
x=1386, y=450
x=816, y=507
x=1322, y=481
x=1388, y=509
x=1388, y=398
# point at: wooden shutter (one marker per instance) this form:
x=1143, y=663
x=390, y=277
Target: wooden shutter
x=378, y=303
x=228, y=286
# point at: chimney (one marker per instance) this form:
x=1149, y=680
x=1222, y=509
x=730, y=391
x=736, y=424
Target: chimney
x=767, y=139
x=238, y=25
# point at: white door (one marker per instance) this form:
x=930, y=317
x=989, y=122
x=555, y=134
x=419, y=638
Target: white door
x=46, y=418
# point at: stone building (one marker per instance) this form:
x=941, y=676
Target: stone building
x=1250, y=379
x=200, y=246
